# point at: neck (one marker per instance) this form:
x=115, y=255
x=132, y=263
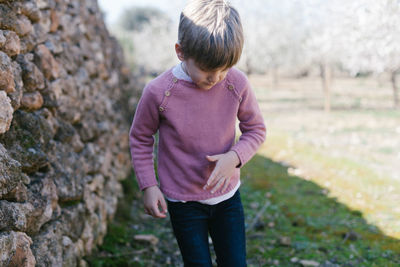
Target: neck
x=184, y=68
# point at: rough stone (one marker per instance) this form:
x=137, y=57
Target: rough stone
x=10, y=20
x=18, y=194
x=46, y=62
x=16, y=249
x=28, y=140
x=2, y=39
x=55, y=21
x=53, y=43
x=70, y=219
x=14, y=215
x=9, y=170
x=40, y=32
x=6, y=112
x=16, y=94
x=42, y=196
x=28, y=43
x=32, y=77
x=69, y=252
x=32, y=100
x=11, y=45
x=65, y=98
x=6, y=73
x=67, y=172
x=47, y=245
x=42, y=4
x=32, y=214
x=31, y=10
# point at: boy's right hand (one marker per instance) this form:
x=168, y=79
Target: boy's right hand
x=151, y=198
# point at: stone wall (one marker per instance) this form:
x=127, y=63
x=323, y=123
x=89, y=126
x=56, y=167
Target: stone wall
x=64, y=121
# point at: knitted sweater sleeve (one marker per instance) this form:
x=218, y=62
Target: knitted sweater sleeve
x=251, y=124
x=141, y=139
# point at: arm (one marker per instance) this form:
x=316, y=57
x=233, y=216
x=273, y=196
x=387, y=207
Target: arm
x=251, y=124
x=144, y=126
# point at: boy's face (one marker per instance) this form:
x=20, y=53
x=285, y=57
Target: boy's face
x=204, y=79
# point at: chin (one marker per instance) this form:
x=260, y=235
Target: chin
x=206, y=87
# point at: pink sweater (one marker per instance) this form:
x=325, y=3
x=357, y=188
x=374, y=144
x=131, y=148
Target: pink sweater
x=193, y=123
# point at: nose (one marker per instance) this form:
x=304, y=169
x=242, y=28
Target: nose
x=212, y=78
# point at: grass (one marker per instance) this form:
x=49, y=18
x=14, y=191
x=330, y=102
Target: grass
x=119, y=247
x=301, y=222
x=353, y=183
x=317, y=225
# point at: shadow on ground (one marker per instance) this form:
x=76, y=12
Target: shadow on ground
x=290, y=222
x=301, y=222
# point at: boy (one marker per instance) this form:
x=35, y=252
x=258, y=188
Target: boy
x=194, y=107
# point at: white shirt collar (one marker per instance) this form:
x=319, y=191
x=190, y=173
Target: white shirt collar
x=179, y=73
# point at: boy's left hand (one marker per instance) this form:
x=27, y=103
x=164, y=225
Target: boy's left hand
x=223, y=171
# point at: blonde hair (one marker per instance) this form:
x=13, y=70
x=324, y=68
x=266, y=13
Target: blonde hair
x=210, y=32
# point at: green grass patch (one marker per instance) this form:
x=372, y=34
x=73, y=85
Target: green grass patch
x=119, y=248
x=352, y=183
x=302, y=222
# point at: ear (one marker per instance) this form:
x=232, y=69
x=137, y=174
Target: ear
x=179, y=52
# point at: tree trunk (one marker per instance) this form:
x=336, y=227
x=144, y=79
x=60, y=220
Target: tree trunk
x=393, y=78
x=326, y=75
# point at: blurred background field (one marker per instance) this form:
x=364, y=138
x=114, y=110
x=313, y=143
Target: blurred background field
x=353, y=151
x=362, y=125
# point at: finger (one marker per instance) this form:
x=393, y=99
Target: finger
x=226, y=184
x=163, y=205
x=214, y=157
x=210, y=180
x=215, y=181
x=218, y=185
x=157, y=213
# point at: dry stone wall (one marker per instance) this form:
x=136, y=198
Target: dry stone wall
x=64, y=120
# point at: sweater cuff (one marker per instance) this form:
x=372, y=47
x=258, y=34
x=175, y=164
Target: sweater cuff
x=240, y=160
x=146, y=179
x=241, y=156
x=144, y=186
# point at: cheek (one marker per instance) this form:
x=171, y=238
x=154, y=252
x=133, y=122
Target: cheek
x=222, y=76
x=199, y=77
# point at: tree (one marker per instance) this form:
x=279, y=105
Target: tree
x=135, y=18
x=154, y=47
x=376, y=40
x=273, y=36
x=327, y=39
x=148, y=39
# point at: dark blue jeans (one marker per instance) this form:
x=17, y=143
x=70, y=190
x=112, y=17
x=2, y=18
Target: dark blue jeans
x=191, y=223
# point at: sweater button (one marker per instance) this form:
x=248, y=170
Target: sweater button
x=174, y=79
x=230, y=87
x=167, y=93
x=161, y=109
